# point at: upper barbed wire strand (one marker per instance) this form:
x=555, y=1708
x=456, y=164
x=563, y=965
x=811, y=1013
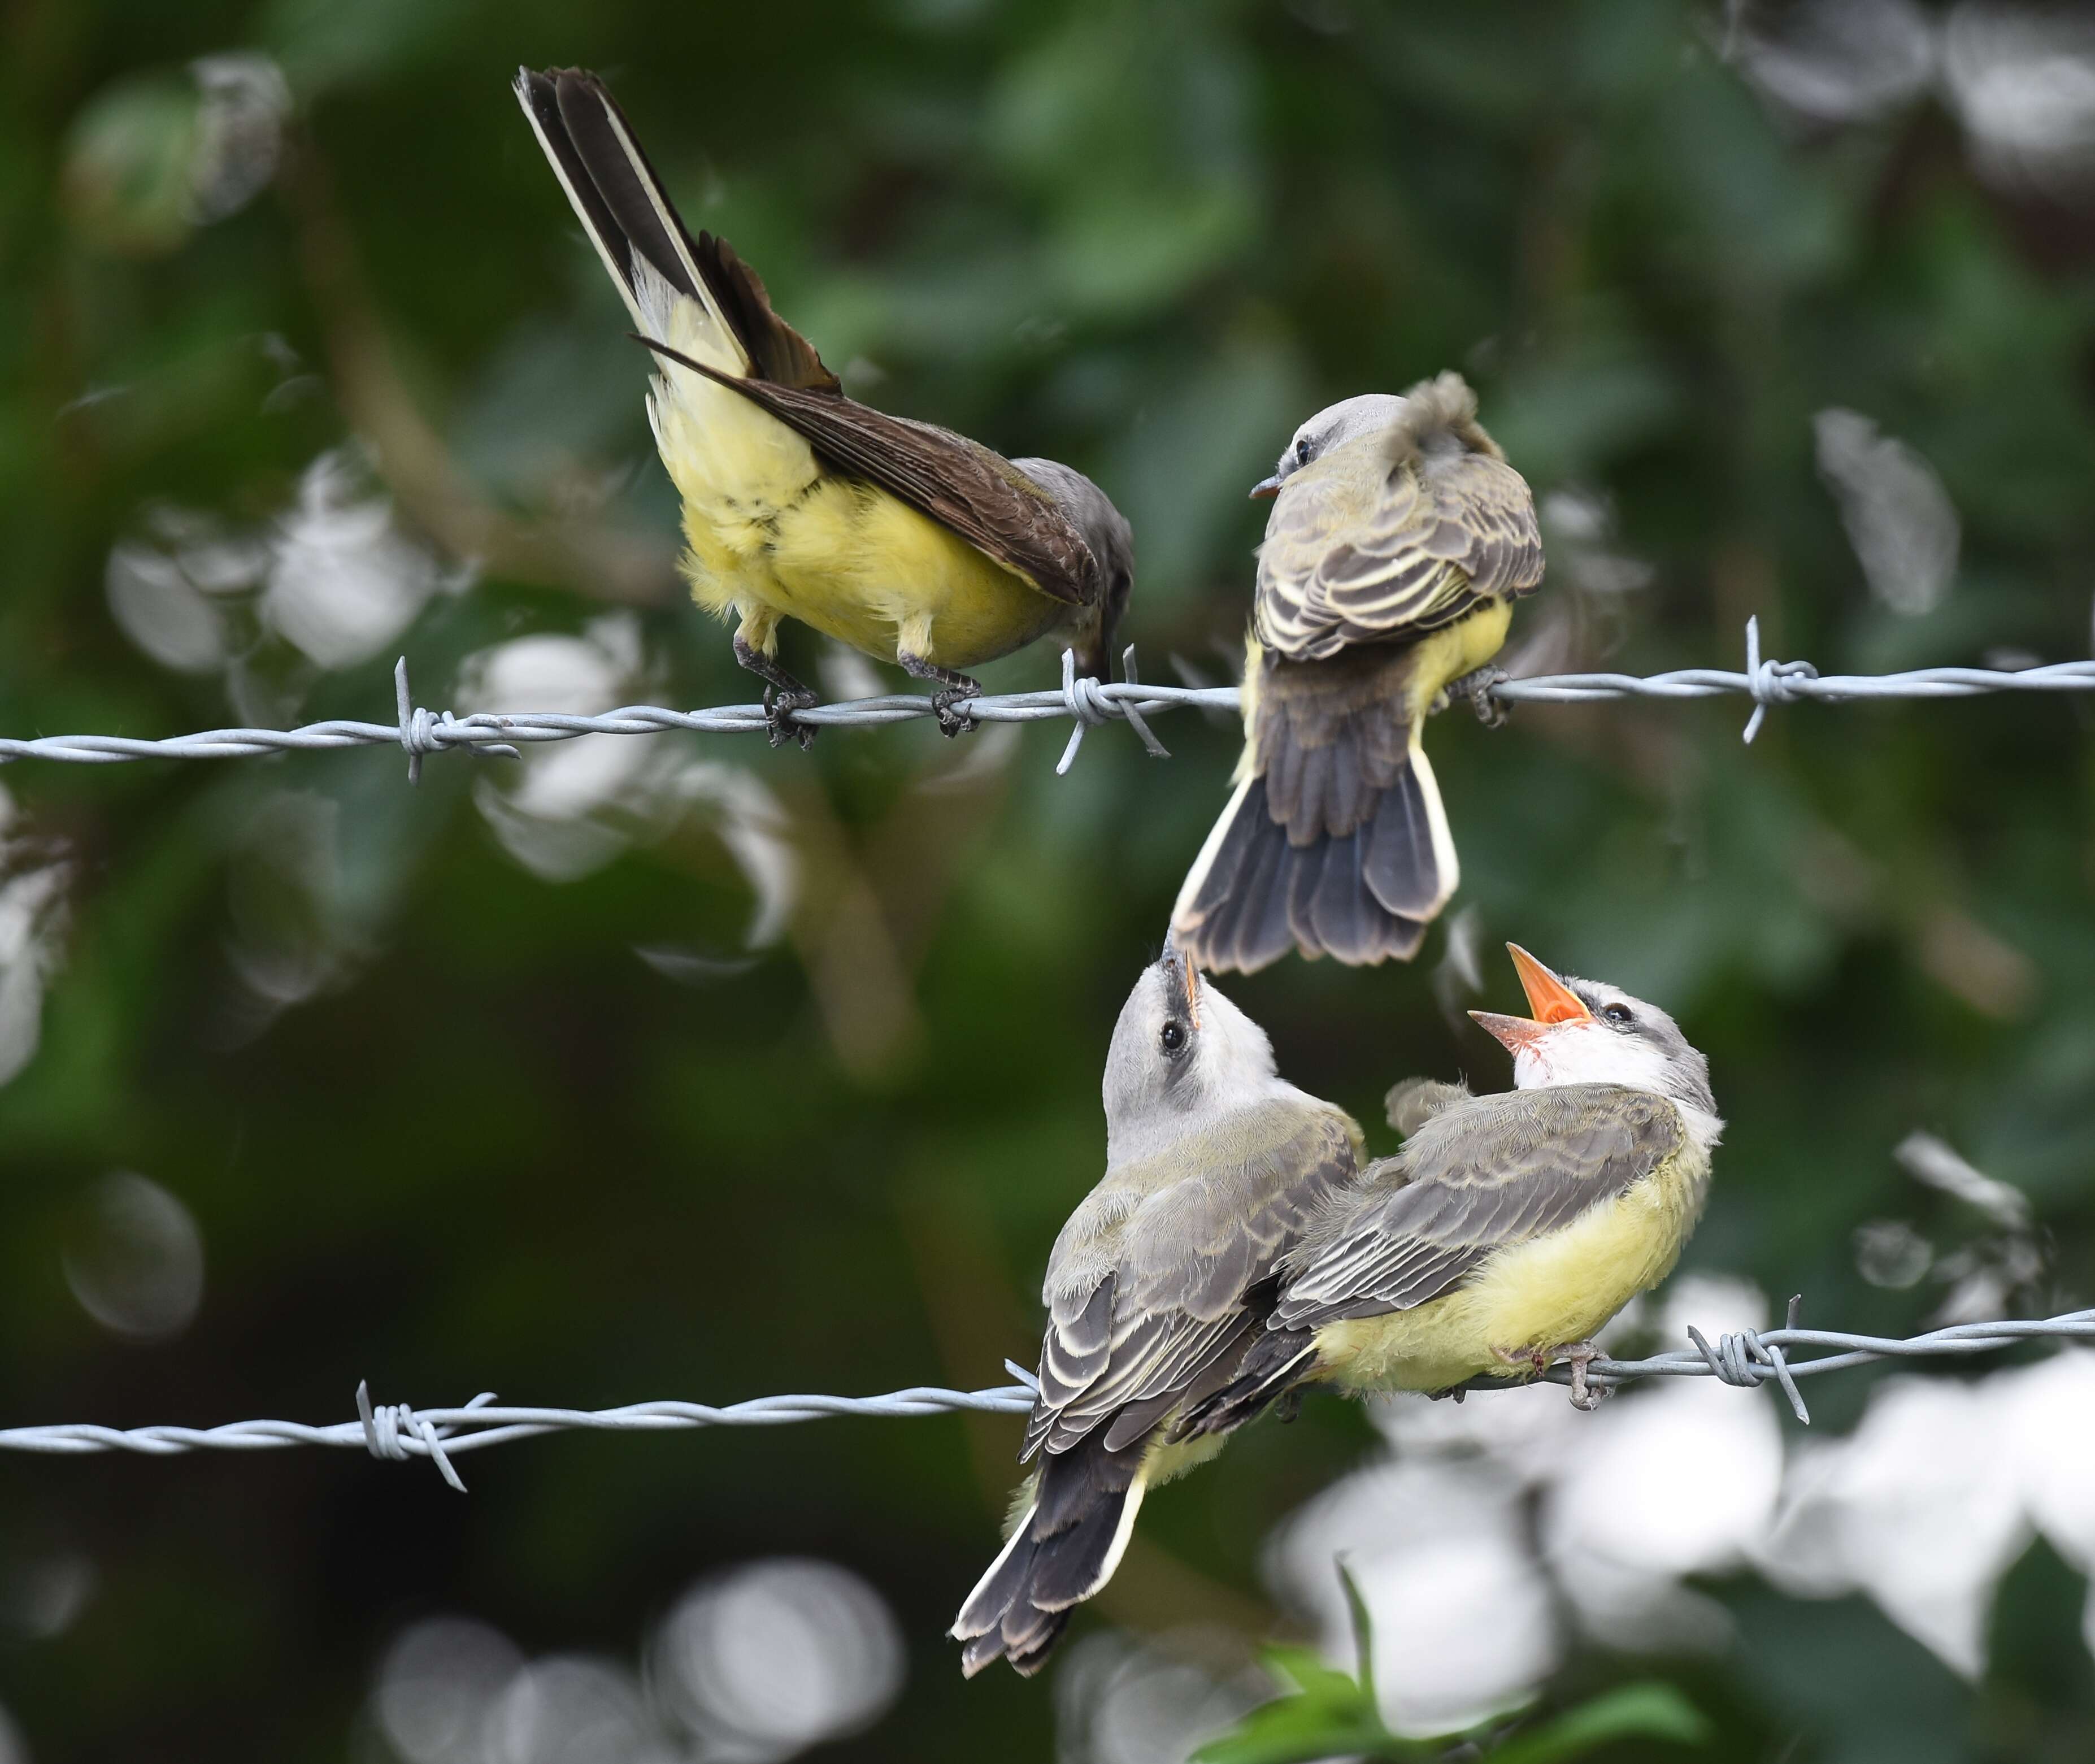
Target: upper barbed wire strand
x=420, y=732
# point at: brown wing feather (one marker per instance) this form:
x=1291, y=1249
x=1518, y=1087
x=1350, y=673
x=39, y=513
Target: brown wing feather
x=1180, y=1296
x=781, y=353
x=1475, y=1177
x=959, y=483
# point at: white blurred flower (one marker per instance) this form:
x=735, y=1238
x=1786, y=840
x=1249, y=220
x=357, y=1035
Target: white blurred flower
x=44, y=1597
x=1899, y=518
x=1838, y=61
x=436, y=1686
x=1920, y=1507
x=1121, y=1701
x=774, y=1658
x=1463, y=1624
x=168, y=590
x=134, y=1259
x=344, y=581
x=2022, y=80
x=569, y=1710
x=1890, y=1252
x=243, y=100
x=33, y=915
x=569, y=808
x=1935, y=1162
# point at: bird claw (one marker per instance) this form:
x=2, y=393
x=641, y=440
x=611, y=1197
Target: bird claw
x=952, y=721
x=779, y=706
x=1476, y=687
x=1578, y=1355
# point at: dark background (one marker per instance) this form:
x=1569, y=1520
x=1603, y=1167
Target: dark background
x=450, y=1121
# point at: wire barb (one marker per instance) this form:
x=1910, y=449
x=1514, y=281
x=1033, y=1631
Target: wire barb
x=398, y=1431
x=1087, y=702
x=418, y=728
x=1770, y=683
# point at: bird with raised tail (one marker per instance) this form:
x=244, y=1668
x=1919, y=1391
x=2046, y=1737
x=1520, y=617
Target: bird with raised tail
x=1399, y=539
x=908, y=543
x=1509, y=1228
x=1157, y=1284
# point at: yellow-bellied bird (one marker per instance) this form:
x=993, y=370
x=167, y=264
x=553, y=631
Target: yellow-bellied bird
x=1156, y=1286
x=1399, y=539
x=1509, y=1228
x=909, y=543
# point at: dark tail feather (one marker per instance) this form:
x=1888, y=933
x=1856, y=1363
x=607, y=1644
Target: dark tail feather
x=609, y=178
x=1276, y=1362
x=1253, y=895
x=1063, y=1551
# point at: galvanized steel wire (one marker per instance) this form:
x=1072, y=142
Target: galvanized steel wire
x=1089, y=703
x=399, y=1432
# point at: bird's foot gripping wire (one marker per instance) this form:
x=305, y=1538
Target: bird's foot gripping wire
x=1476, y=687
x=782, y=696
x=953, y=689
x=1578, y=1355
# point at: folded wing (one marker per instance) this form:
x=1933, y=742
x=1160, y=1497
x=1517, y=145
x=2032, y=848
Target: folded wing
x=1472, y=1179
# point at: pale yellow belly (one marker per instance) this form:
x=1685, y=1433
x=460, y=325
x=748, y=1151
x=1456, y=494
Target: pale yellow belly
x=1463, y=647
x=772, y=534
x=1547, y=1293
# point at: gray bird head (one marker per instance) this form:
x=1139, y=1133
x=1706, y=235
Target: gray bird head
x=1111, y=542
x=1182, y=1056
x=1328, y=428
x=1587, y=1032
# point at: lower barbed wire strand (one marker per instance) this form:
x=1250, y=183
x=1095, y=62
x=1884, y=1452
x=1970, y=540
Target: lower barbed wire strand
x=398, y=1431
x=420, y=733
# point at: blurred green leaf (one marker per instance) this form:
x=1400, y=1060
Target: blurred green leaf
x=1632, y=1712
x=129, y=165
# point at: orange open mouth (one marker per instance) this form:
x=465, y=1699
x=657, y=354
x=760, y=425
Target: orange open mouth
x=1548, y=997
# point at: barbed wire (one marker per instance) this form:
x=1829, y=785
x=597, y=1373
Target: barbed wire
x=1090, y=703
x=398, y=1431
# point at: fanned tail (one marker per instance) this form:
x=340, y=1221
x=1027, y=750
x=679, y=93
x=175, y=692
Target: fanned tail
x=1254, y=893
x=1061, y=1552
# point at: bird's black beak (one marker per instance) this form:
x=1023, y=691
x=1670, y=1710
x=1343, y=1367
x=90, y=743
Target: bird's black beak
x=1183, y=977
x=1265, y=488
x=1095, y=648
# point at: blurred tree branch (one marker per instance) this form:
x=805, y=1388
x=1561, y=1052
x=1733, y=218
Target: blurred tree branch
x=586, y=557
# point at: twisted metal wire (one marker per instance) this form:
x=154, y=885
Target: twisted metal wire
x=1089, y=703
x=398, y=1431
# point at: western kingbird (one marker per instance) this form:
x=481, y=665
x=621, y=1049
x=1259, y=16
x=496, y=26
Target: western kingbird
x=1155, y=1286
x=1509, y=1228
x=909, y=543
x=1399, y=540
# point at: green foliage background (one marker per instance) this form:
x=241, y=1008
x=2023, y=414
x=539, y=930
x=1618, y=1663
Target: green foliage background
x=502, y=1151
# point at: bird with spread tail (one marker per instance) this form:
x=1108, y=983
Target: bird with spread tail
x=908, y=543
x=1399, y=540
x=1509, y=1228
x=1157, y=1286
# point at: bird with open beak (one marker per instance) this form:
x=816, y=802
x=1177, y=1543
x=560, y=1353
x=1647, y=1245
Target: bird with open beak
x=1157, y=1286
x=1398, y=541
x=1509, y=1228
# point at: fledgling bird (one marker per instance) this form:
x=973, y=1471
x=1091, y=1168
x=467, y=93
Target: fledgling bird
x=1399, y=539
x=1509, y=1228
x=907, y=542
x=1155, y=1286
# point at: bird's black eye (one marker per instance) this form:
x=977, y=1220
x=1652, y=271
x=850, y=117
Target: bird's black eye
x=1172, y=1039
x=1302, y=453
x=1618, y=1014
